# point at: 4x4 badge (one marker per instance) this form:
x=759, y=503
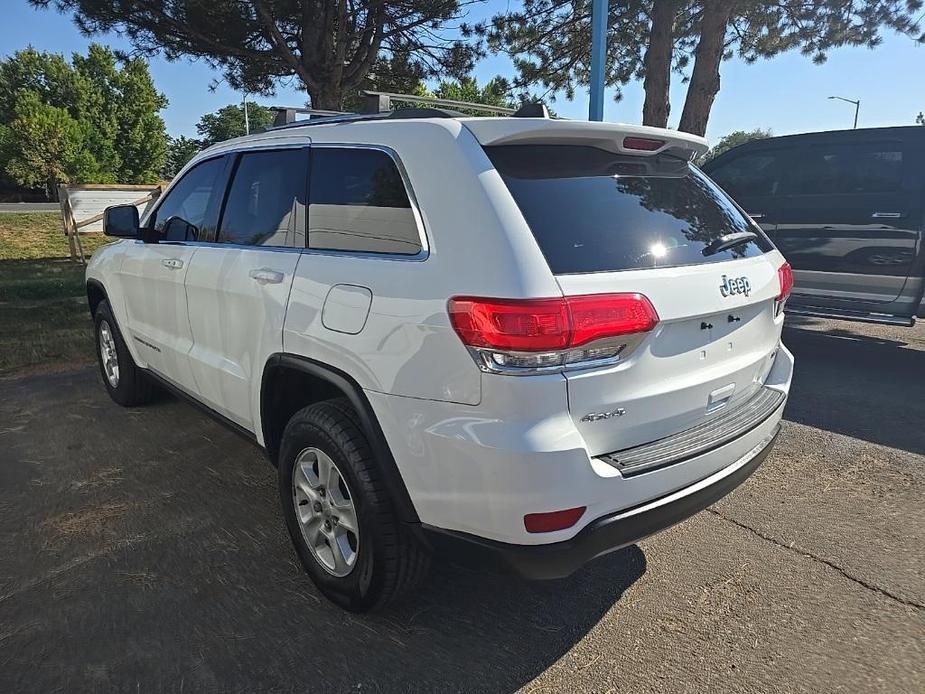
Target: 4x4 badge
x=598, y=416
x=735, y=285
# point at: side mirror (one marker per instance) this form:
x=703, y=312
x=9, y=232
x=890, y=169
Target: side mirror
x=121, y=221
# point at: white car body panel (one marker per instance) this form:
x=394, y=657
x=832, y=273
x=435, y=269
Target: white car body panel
x=666, y=384
x=476, y=451
x=236, y=318
x=153, y=290
x=480, y=470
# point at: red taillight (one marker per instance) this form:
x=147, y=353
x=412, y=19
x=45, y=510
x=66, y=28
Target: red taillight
x=556, y=520
x=785, y=277
x=540, y=325
x=645, y=144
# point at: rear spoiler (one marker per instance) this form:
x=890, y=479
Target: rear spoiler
x=615, y=137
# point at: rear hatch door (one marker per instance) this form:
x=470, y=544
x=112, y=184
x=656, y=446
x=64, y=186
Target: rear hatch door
x=608, y=222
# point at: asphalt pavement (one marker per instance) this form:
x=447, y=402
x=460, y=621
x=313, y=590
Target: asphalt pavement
x=29, y=207
x=143, y=550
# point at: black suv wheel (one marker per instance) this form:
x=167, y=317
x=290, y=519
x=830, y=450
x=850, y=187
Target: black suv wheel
x=339, y=516
x=124, y=381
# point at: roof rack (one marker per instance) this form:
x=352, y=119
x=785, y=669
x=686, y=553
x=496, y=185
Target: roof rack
x=376, y=102
x=378, y=105
x=356, y=117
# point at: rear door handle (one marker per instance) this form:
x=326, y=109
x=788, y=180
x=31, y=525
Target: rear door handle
x=266, y=276
x=172, y=263
x=886, y=215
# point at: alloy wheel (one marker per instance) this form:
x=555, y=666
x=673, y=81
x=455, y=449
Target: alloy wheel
x=325, y=509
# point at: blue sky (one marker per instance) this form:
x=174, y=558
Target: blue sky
x=786, y=94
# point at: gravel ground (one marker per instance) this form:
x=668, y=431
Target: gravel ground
x=142, y=550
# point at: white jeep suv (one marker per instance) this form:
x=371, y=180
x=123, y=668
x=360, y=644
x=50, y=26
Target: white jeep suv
x=521, y=341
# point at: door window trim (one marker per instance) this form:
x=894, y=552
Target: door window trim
x=888, y=145
x=782, y=152
x=231, y=159
x=235, y=160
x=221, y=183
x=420, y=256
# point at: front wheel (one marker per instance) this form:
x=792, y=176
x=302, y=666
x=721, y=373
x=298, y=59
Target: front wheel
x=124, y=381
x=338, y=513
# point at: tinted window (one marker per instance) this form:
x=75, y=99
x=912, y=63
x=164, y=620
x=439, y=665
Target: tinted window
x=264, y=201
x=183, y=211
x=358, y=202
x=595, y=211
x=845, y=169
x=746, y=175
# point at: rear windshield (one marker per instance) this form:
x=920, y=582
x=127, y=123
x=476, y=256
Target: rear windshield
x=596, y=211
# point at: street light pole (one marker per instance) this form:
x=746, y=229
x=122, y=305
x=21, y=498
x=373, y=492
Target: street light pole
x=598, y=57
x=247, y=121
x=857, y=107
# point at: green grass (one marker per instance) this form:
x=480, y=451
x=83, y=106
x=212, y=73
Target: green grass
x=43, y=306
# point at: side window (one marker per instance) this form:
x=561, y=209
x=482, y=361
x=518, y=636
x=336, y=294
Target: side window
x=358, y=202
x=748, y=175
x=181, y=214
x=265, y=200
x=846, y=169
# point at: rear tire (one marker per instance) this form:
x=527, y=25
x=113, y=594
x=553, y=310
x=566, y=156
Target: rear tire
x=125, y=382
x=340, y=518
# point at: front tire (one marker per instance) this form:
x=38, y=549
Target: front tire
x=124, y=381
x=338, y=513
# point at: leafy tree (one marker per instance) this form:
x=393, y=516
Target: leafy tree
x=47, y=148
x=920, y=119
x=755, y=30
x=496, y=92
x=141, y=137
x=396, y=73
x=328, y=45
x=228, y=122
x=734, y=139
x=179, y=151
x=113, y=105
x=549, y=41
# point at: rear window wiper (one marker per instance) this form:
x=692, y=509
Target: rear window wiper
x=729, y=241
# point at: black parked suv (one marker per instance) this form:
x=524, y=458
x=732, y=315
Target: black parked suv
x=847, y=209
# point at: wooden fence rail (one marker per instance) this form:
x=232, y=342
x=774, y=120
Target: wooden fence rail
x=82, y=208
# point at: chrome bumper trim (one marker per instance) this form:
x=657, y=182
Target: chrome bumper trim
x=700, y=439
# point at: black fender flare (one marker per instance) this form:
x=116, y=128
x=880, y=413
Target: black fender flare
x=96, y=284
x=351, y=389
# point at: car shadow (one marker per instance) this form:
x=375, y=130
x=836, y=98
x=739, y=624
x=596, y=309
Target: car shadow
x=862, y=385
x=466, y=631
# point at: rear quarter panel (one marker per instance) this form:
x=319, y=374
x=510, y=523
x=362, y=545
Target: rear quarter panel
x=476, y=244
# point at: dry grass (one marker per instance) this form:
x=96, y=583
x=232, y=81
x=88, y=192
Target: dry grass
x=35, y=235
x=43, y=310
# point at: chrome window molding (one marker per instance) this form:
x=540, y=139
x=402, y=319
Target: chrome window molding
x=152, y=212
x=234, y=246
x=412, y=200
x=420, y=256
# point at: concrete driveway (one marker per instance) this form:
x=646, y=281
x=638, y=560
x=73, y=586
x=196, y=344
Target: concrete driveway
x=143, y=550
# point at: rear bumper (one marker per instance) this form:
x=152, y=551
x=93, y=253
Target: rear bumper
x=478, y=471
x=603, y=535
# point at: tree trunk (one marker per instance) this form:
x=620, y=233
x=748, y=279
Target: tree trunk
x=328, y=95
x=657, y=64
x=704, y=84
